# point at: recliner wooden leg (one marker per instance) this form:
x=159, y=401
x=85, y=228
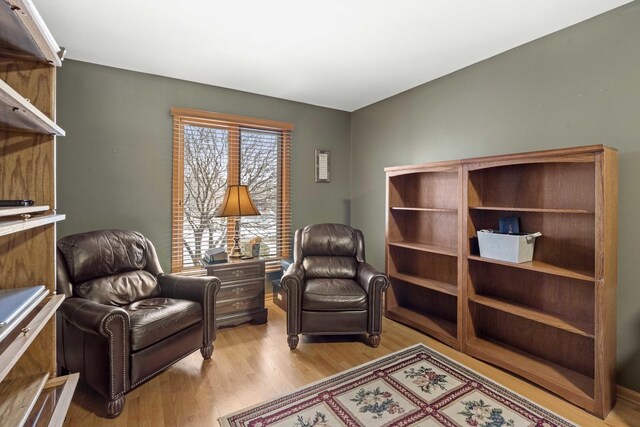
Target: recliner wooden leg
x=115, y=407
x=293, y=341
x=206, y=351
x=373, y=340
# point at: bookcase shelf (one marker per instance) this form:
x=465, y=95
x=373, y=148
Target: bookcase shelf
x=424, y=247
x=21, y=210
x=564, y=298
x=17, y=113
x=398, y=208
x=539, y=210
x=25, y=34
x=17, y=343
x=19, y=396
x=17, y=225
x=575, y=387
x=434, y=285
x=551, y=319
x=440, y=328
x=538, y=266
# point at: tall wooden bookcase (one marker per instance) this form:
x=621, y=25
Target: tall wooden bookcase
x=551, y=320
x=423, y=248
x=29, y=393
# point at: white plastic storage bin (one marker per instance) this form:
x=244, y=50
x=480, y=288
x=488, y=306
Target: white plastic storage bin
x=507, y=247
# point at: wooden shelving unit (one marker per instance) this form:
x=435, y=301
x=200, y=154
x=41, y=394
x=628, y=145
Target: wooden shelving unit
x=30, y=394
x=422, y=252
x=551, y=320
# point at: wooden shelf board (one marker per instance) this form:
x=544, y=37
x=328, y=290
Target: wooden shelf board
x=19, y=345
x=434, y=285
x=581, y=328
x=19, y=210
x=18, y=396
x=539, y=266
x=573, y=386
x=26, y=34
x=53, y=403
x=18, y=113
x=402, y=208
x=437, y=327
x=539, y=210
x=424, y=247
x=14, y=226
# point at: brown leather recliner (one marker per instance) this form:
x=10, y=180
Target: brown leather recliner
x=330, y=288
x=123, y=321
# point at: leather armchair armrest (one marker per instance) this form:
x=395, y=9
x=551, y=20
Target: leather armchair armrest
x=96, y=335
x=371, y=280
x=374, y=284
x=292, y=282
x=197, y=289
x=94, y=318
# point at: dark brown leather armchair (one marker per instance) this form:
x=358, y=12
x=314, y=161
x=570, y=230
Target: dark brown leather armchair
x=330, y=288
x=123, y=320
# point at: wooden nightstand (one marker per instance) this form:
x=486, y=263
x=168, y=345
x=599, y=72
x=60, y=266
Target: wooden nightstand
x=241, y=296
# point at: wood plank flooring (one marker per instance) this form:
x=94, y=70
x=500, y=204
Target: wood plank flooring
x=252, y=363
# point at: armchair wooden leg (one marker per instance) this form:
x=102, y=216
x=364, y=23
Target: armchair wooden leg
x=373, y=340
x=293, y=341
x=206, y=351
x=115, y=407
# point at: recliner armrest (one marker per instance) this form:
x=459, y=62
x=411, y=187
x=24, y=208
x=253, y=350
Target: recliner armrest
x=293, y=278
x=292, y=282
x=94, y=333
x=371, y=280
x=89, y=316
x=374, y=284
x=197, y=289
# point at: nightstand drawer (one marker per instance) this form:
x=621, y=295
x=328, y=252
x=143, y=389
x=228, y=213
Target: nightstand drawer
x=237, y=271
x=238, y=305
x=235, y=290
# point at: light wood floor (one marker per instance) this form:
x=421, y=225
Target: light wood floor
x=252, y=363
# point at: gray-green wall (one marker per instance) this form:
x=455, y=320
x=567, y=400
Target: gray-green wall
x=579, y=86
x=114, y=165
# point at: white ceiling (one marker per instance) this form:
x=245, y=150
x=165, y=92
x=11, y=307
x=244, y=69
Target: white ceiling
x=343, y=54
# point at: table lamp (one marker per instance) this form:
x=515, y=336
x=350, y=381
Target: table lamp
x=237, y=203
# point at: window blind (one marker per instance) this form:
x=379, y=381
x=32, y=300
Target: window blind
x=212, y=151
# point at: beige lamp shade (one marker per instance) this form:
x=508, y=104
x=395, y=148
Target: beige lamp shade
x=237, y=202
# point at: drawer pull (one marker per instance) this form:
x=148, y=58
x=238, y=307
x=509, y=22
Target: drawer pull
x=238, y=305
x=238, y=291
x=25, y=331
x=237, y=273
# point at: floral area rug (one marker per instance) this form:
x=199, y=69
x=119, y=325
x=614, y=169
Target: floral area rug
x=416, y=386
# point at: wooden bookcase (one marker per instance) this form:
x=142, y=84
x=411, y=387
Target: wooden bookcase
x=551, y=320
x=29, y=393
x=423, y=251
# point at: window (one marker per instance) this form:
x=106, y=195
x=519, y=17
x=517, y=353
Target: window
x=211, y=151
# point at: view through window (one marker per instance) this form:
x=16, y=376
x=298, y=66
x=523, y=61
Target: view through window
x=212, y=151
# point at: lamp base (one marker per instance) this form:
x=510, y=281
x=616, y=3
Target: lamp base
x=236, y=252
